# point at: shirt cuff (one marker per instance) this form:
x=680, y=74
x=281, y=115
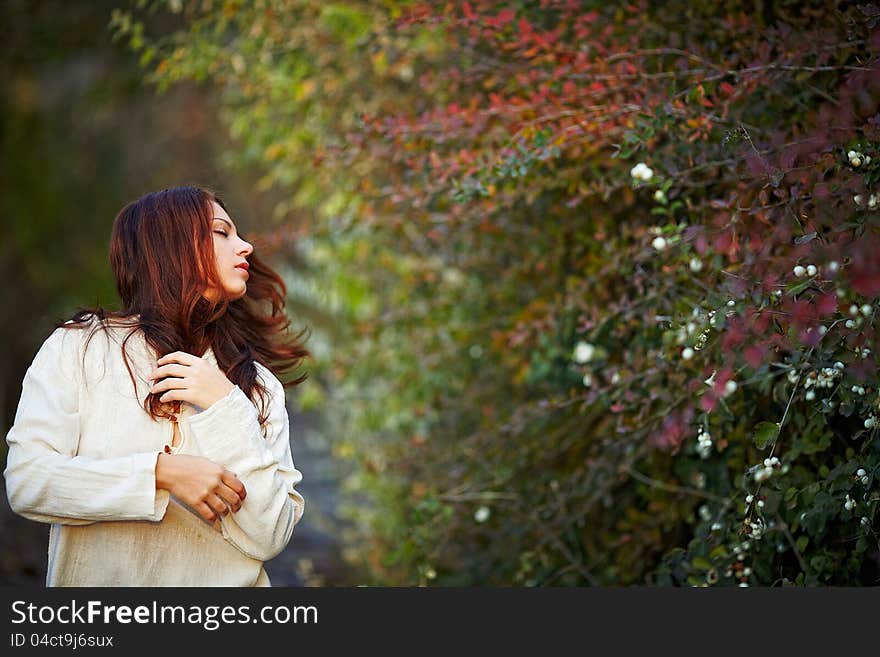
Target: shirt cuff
x=155, y=500
x=224, y=421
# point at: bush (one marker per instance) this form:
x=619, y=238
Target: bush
x=619, y=282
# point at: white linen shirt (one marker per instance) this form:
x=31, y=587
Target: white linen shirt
x=82, y=456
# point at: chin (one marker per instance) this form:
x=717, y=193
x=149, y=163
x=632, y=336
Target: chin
x=237, y=294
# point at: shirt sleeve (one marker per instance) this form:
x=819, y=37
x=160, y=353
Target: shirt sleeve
x=228, y=432
x=46, y=480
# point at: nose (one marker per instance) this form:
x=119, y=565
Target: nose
x=246, y=248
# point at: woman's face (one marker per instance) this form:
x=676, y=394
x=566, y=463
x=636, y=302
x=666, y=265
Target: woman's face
x=230, y=251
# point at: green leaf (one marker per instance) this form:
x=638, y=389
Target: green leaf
x=764, y=433
x=800, y=287
x=809, y=237
x=719, y=552
x=701, y=563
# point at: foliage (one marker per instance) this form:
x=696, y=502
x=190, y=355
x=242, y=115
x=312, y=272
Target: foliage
x=616, y=323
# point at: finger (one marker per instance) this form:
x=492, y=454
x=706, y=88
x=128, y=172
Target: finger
x=169, y=384
x=177, y=357
x=171, y=369
x=172, y=395
x=205, y=511
x=218, y=505
x=229, y=496
x=232, y=480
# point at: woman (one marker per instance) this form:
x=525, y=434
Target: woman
x=155, y=440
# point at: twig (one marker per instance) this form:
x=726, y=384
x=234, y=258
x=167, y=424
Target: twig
x=671, y=487
x=791, y=542
x=485, y=495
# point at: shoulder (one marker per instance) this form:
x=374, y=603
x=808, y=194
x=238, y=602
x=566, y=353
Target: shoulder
x=74, y=344
x=271, y=406
x=271, y=382
x=59, y=353
x=65, y=342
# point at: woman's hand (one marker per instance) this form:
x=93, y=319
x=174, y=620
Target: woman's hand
x=190, y=379
x=201, y=484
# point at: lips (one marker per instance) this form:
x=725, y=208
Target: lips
x=243, y=265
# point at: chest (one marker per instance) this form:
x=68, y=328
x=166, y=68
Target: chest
x=113, y=421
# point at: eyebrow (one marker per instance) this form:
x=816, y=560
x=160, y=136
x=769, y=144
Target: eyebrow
x=224, y=221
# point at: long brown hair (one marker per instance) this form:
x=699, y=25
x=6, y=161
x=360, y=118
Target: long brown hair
x=162, y=256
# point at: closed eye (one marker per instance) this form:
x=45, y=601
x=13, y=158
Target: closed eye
x=220, y=232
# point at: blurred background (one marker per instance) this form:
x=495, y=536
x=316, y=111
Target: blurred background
x=592, y=286
x=83, y=135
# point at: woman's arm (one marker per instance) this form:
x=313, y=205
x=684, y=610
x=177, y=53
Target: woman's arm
x=45, y=480
x=228, y=432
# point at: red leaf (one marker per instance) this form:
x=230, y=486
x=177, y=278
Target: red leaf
x=754, y=356
x=756, y=164
x=505, y=16
x=724, y=241
x=722, y=377
x=707, y=402
x=864, y=273
x=671, y=434
x=810, y=336
x=874, y=40
x=803, y=313
x=733, y=336
x=761, y=322
x=827, y=303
